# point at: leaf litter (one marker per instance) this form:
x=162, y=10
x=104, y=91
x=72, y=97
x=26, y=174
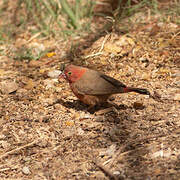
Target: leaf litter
x=46, y=133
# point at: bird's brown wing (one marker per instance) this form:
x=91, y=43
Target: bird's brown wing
x=113, y=81
x=95, y=83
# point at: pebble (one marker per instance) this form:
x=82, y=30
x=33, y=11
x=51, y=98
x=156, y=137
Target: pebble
x=26, y=170
x=116, y=173
x=54, y=73
x=80, y=131
x=8, y=87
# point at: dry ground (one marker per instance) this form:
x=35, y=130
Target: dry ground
x=46, y=133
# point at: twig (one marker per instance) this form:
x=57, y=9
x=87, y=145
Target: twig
x=33, y=37
x=115, y=157
x=105, y=39
x=105, y=171
x=92, y=55
x=18, y=149
x=175, y=35
x=8, y=168
x=100, y=51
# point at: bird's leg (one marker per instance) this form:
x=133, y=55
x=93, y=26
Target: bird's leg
x=91, y=108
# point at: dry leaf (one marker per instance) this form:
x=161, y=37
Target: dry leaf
x=69, y=123
x=138, y=105
x=112, y=48
x=30, y=84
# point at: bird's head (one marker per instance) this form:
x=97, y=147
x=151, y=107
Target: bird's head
x=73, y=73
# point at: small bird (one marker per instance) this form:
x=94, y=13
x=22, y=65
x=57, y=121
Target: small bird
x=93, y=87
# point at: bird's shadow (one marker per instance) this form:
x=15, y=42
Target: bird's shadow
x=75, y=104
x=79, y=106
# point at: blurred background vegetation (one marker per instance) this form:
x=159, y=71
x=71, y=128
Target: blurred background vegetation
x=68, y=17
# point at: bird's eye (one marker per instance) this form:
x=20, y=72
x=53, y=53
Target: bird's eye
x=69, y=73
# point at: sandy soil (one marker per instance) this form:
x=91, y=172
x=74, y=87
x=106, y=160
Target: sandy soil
x=46, y=133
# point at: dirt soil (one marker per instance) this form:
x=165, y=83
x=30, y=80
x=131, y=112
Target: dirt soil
x=46, y=133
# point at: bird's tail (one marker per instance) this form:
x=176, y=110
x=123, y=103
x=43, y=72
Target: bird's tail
x=137, y=90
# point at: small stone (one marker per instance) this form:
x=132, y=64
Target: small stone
x=8, y=87
x=26, y=170
x=80, y=131
x=54, y=73
x=116, y=173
